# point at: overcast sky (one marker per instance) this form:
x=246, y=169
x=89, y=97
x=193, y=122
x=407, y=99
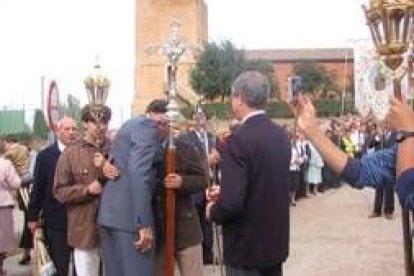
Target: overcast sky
x=60, y=39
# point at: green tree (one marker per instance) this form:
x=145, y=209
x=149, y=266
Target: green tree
x=232, y=63
x=204, y=76
x=217, y=67
x=315, y=78
x=40, y=128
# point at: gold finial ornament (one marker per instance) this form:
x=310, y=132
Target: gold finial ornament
x=391, y=26
x=97, y=86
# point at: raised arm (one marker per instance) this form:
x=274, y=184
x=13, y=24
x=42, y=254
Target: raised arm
x=401, y=118
x=375, y=170
x=334, y=157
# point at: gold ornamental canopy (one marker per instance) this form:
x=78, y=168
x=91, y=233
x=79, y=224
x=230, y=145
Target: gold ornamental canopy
x=391, y=26
x=97, y=87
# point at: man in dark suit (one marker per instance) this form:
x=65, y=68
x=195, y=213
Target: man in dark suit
x=204, y=142
x=42, y=199
x=253, y=202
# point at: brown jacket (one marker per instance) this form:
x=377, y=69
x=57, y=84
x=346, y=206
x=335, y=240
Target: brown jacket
x=192, y=169
x=74, y=172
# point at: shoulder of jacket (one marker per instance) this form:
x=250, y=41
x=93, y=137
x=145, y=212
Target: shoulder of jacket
x=73, y=146
x=5, y=162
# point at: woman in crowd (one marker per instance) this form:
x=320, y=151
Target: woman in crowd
x=313, y=174
x=9, y=181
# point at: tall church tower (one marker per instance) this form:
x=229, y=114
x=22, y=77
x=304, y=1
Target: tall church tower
x=153, y=21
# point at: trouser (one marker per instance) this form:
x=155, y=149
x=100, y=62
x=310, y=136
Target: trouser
x=2, y=258
x=59, y=250
x=262, y=271
x=302, y=187
x=121, y=258
x=87, y=261
x=207, y=229
x=26, y=241
x=384, y=197
x=189, y=261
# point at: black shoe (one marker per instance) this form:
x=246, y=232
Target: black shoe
x=208, y=260
x=374, y=215
x=25, y=260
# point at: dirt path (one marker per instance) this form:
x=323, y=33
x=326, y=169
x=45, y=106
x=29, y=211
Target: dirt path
x=331, y=235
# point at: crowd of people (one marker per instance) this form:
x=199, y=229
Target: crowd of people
x=356, y=137
x=100, y=199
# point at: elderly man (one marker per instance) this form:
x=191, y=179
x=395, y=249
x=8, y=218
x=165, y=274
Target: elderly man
x=53, y=213
x=253, y=204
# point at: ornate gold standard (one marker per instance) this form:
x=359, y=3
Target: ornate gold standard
x=391, y=26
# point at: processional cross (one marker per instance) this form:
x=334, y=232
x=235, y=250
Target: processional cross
x=173, y=49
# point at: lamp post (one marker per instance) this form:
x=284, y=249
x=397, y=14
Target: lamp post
x=391, y=23
x=97, y=86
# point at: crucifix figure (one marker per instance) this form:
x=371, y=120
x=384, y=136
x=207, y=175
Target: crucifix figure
x=173, y=49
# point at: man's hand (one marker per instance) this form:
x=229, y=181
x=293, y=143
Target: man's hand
x=173, y=181
x=110, y=171
x=95, y=188
x=208, y=209
x=33, y=225
x=213, y=157
x=98, y=159
x=145, y=239
x=401, y=116
x=306, y=115
x=213, y=193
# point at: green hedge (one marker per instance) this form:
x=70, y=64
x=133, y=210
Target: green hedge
x=324, y=107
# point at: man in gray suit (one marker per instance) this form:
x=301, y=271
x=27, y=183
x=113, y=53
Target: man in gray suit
x=126, y=215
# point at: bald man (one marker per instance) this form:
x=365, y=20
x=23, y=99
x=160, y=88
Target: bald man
x=42, y=199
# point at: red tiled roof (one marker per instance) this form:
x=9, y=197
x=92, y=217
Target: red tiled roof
x=321, y=54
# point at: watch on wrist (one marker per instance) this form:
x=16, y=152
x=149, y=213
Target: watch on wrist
x=402, y=135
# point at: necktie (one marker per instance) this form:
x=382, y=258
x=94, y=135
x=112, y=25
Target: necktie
x=203, y=139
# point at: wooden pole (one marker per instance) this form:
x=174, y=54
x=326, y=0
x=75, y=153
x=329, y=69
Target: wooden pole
x=170, y=213
x=405, y=213
x=408, y=245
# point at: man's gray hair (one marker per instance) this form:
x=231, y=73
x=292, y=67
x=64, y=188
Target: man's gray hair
x=253, y=87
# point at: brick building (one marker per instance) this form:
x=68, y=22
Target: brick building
x=339, y=62
x=153, y=19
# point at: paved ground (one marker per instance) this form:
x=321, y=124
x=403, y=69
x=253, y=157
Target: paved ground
x=331, y=236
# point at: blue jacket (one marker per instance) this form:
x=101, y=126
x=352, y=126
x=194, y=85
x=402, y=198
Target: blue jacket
x=378, y=170
x=126, y=203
